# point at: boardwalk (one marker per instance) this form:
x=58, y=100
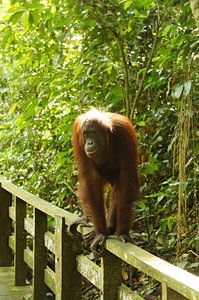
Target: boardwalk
x=7, y=289
x=17, y=228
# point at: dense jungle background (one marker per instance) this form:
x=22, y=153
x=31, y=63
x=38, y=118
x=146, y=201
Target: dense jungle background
x=138, y=58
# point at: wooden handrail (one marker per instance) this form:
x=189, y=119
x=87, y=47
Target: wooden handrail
x=64, y=280
x=40, y=204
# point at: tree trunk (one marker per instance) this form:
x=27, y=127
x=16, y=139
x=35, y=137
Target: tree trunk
x=195, y=10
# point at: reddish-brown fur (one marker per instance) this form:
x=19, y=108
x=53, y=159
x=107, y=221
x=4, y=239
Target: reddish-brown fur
x=120, y=170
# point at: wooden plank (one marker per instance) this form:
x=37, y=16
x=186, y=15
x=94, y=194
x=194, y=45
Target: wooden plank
x=40, y=204
x=93, y=273
x=124, y=293
x=8, y=291
x=6, y=257
x=12, y=212
x=12, y=242
x=50, y=241
x=49, y=237
x=3, y=179
x=111, y=276
x=29, y=227
x=20, y=242
x=68, y=280
x=28, y=257
x=40, y=255
x=89, y=270
x=177, y=279
x=49, y=278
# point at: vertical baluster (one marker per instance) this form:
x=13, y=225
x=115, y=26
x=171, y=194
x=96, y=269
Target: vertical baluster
x=68, y=281
x=111, y=276
x=20, y=241
x=164, y=291
x=6, y=257
x=40, y=255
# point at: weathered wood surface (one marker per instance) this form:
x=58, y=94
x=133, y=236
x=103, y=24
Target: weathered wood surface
x=40, y=255
x=40, y=204
x=8, y=291
x=183, y=282
x=65, y=281
x=20, y=242
x=5, y=228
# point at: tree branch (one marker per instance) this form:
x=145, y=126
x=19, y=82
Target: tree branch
x=120, y=42
x=147, y=67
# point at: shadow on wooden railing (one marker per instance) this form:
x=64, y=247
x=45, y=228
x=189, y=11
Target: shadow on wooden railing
x=16, y=225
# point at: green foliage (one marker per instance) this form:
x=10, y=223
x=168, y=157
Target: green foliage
x=139, y=58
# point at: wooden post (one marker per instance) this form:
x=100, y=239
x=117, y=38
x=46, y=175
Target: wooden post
x=40, y=255
x=68, y=280
x=111, y=276
x=20, y=242
x=6, y=256
x=164, y=291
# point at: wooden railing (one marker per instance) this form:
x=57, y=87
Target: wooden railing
x=23, y=215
